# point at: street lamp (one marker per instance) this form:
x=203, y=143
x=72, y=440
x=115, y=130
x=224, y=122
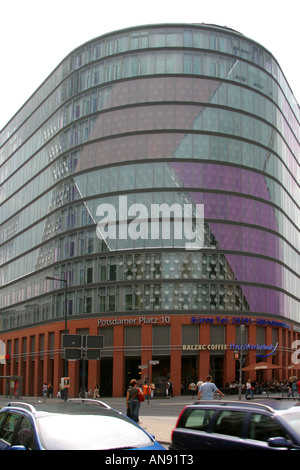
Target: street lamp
x=66, y=319
x=242, y=330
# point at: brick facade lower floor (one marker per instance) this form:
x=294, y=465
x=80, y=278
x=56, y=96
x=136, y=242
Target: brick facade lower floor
x=184, y=348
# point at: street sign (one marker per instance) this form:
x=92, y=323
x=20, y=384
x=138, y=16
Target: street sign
x=93, y=354
x=94, y=342
x=143, y=366
x=72, y=354
x=2, y=352
x=71, y=341
x=65, y=382
x=82, y=346
x=154, y=362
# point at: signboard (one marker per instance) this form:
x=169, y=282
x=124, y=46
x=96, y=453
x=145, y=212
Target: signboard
x=65, y=382
x=93, y=354
x=94, y=342
x=2, y=352
x=71, y=341
x=82, y=347
x=72, y=354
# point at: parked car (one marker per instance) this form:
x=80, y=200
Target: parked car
x=220, y=425
x=77, y=424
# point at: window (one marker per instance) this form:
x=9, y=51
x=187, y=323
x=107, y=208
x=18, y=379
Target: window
x=197, y=419
x=7, y=431
x=230, y=423
x=25, y=435
x=263, y=427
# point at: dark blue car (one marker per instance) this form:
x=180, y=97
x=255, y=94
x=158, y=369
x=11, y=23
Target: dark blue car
x=72, y=425
x=237, y=426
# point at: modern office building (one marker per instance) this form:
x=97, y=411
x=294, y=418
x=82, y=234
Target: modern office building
x=186, y=115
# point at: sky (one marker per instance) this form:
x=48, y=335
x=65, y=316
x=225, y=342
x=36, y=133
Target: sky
x=36, y=35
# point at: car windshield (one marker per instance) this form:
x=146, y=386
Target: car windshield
x=293, y=420
x=89, y=432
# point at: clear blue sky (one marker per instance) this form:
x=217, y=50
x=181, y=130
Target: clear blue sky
x=35, y=35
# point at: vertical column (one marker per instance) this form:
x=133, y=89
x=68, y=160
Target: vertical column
x=118, y=362
x=73, y=367
x=146, y=352
x=204, y=358
x=175, y=365
x=94, y=366
x=269, y=373
x=251, y=354
x=26, y=357
x=229, y=364
x=58, y=367
x=38, y=369
x=46, y=359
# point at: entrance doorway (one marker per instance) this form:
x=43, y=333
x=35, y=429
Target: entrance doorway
x=132, y=371
x=217, y=370
x=106, y=366
x=189, y=368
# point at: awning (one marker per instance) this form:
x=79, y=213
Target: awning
x=261, y=366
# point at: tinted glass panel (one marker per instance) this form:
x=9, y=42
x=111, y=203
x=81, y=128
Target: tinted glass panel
x=25, y=435
x=7, y=431
x=264, y=427
x=196, y=419
x=230, y=423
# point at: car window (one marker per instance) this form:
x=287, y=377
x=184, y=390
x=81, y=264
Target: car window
x=25, y=435
x=8, y=427
x=230, y=422
x=2, y=418
x=262, y=427
x=198, y=419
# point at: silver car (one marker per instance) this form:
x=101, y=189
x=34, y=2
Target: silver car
x=77, y=424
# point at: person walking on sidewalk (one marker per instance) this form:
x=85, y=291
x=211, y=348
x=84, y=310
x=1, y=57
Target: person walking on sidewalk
x=208, y=389
x=132, y=400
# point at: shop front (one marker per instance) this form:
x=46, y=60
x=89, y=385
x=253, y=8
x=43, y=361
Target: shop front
x=156, y=348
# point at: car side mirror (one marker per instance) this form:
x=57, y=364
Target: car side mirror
x=279, y=442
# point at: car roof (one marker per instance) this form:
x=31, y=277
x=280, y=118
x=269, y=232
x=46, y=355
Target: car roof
x=72, y=406
x=271, y=406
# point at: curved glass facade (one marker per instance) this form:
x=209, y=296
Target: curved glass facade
x=173, y=114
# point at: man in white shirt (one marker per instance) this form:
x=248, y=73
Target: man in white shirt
x=208, y=389
x=199, y=383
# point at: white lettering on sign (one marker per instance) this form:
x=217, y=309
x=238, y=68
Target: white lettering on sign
x=145, y=320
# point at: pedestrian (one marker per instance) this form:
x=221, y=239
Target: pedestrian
x=290, y=390
x=249, y=389
x=50, y=390
x=146, y=390
x=294, y=387
x=167, y=388
x=132, y=400
x=199, y=383
x=61, y=391
x=208, y=389
x=152, y=388
x=96, y=390
x=45, y=391
x=170, y=388
x=192, y=388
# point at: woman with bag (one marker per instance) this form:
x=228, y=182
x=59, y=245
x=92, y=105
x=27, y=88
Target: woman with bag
x=132, y=400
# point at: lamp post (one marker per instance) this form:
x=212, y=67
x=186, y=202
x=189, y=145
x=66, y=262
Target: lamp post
x=66, y=319
x=242, y=330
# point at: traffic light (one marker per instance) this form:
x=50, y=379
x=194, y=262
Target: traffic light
x=236, y=355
